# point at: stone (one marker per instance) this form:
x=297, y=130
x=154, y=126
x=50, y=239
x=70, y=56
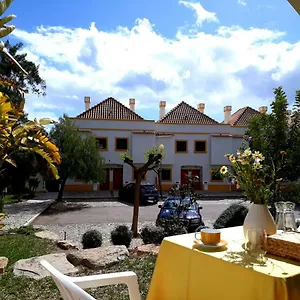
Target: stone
x=66, y=245
x=150, y=249
x=3, y=264
x=98, y=258
x=32, y=268
x=45, y=234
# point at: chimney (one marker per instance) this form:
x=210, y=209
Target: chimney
x=132, y=104
x=201, y=107
x=263, y=109
x=87, y=101
x=227, y=114
x=162, y=109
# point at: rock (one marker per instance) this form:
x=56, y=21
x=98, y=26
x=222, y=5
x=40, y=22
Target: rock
x=3, y=264
x=146, y=249
x=98, y=258
x=66, y=245
x=47, y=235
x=32, y=268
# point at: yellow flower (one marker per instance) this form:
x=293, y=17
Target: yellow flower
x=227, y=155
x=232, y=159
x=223, y=170
x=257, y=166
x=258, y=155
x=247, y=152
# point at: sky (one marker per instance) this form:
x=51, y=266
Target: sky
x=217, y=52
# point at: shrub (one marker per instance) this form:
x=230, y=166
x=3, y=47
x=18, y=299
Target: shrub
x=121, y=235
x=91, y=239
x=232, y=216
x=152, y=235
x=172, y=226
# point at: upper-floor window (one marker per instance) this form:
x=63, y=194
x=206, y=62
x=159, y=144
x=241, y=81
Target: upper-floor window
x=166, y=175
x=121, y=144
x=181, y=146
x=103, y=143
x=200, y=147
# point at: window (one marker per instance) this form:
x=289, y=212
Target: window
x=215, y=175
x=134, y=175
x=200, y=147
x=102, y=142
x=181, y=146
x=121, y=144
x=166, y=175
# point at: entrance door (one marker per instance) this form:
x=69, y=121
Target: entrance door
x=117, y=178
x=193, y=172
x=183, y=177
x=196, y=172
x=105, y=185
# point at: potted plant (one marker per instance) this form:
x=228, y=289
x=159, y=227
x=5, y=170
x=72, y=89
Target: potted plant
x=255, y=180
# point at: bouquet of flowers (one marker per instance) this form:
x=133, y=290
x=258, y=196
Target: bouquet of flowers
x=251, y=175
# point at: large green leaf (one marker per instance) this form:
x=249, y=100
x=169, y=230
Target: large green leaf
x=6, y=19
x=4, y=5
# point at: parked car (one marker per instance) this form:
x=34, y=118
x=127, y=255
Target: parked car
x=190, y=215
x=148, y=192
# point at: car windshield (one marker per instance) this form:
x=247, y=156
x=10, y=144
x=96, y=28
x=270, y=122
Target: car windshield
x=171, y=203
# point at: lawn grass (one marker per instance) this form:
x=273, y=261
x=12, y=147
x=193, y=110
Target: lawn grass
x=9, y=199
x=20, y=246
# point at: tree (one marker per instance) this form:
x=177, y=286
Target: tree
x=277, y=136
x=30, y=135
x=79, y=152
x=30, y=82
x=153, y=157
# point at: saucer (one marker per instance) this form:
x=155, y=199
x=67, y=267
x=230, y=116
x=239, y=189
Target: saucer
x=210, y=246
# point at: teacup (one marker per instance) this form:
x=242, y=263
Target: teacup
x=209, y=236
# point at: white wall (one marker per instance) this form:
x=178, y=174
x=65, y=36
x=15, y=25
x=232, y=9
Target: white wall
x=140, y=143
x=219, y=147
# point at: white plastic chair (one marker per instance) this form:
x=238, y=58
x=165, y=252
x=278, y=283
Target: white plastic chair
x=71, y=288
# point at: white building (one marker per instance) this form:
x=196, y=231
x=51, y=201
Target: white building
x=193, y=142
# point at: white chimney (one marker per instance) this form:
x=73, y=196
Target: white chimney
x=201, y=107
x=227, y=114
x=132, y=104
x=263, y=109
x=87, y=101
x=162, y=109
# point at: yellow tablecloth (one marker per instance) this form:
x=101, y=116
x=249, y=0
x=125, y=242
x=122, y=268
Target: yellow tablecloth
x=182, y=271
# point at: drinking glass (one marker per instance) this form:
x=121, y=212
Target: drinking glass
x=255, y=241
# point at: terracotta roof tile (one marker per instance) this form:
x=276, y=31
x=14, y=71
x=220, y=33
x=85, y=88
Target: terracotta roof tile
x=242, y=116
x=184, y=113
x=110, y=108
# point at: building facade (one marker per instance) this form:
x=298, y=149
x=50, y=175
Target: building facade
x=194, y=143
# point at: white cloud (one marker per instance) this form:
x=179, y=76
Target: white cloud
x=242, y=2
x=234, y=66
x=201, y=14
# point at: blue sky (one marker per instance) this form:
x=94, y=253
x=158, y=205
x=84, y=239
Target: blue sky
x=231, y=52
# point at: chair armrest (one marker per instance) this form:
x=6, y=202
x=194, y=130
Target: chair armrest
x=129, y=278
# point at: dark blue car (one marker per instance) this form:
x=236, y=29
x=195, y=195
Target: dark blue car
x=190, y=215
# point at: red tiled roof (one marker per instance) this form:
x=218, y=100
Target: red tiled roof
x=242, y=116
x=110, y=108
x=184, y=113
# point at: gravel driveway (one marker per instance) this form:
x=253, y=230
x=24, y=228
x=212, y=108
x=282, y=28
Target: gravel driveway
x=76, y=218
